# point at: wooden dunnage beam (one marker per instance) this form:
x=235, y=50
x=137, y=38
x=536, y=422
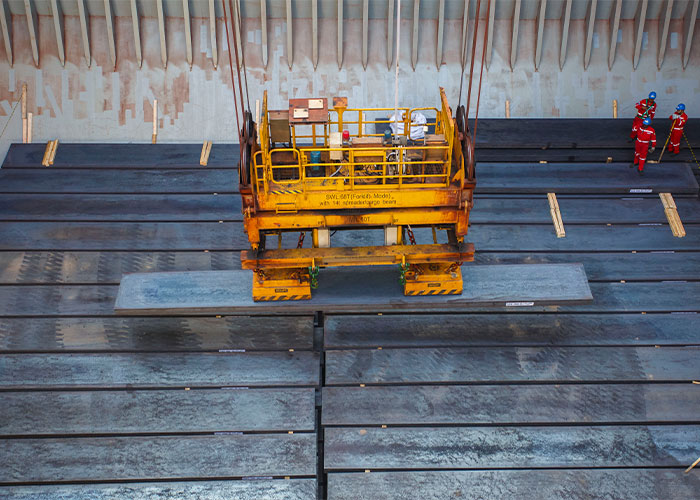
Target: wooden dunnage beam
x=556, y=215
x=671, y=211
x=351, y=290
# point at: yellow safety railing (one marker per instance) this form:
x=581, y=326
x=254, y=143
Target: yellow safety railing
x=360, y=167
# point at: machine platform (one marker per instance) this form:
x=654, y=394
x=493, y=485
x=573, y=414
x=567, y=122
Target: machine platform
x=353, y=290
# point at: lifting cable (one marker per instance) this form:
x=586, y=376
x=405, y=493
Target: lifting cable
x=232, y=42
x=481, y=73
x=239, y=129
x=471, y=63
x=396, y=78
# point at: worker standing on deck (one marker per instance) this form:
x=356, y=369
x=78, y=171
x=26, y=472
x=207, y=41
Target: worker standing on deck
x=679, y=120
x=646, y=108
x=646, y=136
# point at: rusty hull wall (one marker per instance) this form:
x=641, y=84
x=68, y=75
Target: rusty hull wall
x=102, y=103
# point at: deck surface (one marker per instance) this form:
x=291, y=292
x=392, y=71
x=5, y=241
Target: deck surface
x=535, y=402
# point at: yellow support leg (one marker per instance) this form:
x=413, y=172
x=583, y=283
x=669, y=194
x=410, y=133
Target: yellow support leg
x=281, y=284
x=433, y=279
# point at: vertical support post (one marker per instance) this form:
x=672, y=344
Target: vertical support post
x=212, y=33
x=440, y=34
x=23, y=98
x=507, y=108
x=290, y=50
x=340, y=33
x=565, y=21
x=514, y=34
x=390, y=34
x=33, y=30
x=314, y=32
x=365, y=32
x=590, y=25
x=263, y=27
x=664, y=22
x=614, y=108
x=154, y=137
x=541, y=11
x=689, y=19
x=137, y=32
x=161, y=31
x=614, y=28
x=110, y=33
x=188, y=30
x=58, y=29
x=414, y=36
x=6, y=25
x=489, y=35
x=639, y=22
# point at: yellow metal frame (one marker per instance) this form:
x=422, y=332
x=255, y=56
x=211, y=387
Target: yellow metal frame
x=372, y=186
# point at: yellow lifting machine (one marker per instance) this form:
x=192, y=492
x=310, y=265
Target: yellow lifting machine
x=317, y=169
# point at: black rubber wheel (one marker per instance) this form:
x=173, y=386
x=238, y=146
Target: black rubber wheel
x=467, y=142
x=248, y=133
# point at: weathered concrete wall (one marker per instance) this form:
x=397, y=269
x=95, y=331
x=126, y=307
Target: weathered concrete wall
x=77, y=103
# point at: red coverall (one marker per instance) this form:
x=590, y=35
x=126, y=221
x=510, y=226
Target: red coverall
x=645, y=108
x=641, y=146
x=679, y=121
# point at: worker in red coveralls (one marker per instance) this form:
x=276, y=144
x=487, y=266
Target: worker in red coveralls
x=679, y=120
x=646, y=108
x=646, y=136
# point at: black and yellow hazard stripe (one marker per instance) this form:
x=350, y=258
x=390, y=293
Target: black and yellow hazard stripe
x=267, y=298
x=444, y=291
x=286, y=191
